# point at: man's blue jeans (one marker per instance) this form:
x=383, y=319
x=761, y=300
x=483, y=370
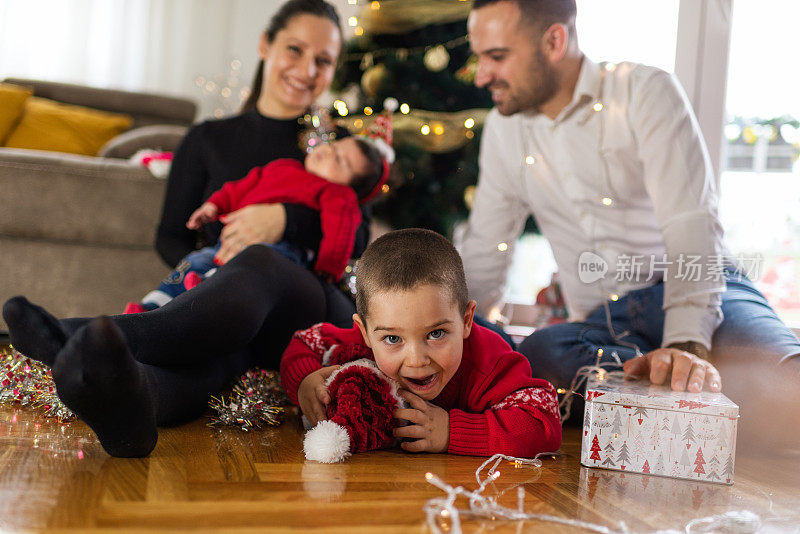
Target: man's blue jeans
x=755, y=352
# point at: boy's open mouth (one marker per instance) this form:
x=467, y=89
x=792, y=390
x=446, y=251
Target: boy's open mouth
x=422, y=381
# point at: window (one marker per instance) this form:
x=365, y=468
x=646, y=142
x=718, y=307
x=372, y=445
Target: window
x=760, y=178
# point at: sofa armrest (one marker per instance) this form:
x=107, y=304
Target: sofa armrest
x=162, y=137
x=67, y=198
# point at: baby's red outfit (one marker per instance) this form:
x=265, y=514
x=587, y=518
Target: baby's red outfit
x=495, y=406
x=287, y=181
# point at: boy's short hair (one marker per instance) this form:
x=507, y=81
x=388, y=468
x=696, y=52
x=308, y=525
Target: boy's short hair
x=404, y=259
x=364, y=183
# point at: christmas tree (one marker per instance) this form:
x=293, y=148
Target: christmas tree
x=699, y=461
x=416, y=52
x=595, y=449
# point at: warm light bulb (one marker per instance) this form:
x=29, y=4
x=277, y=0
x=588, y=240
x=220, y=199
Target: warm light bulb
x=385, y=188
x=469, y=123
x=438, y=129
x=359, y=31
x=367, y=111
x=598, y=106
x=614, y=297
x=352, y=21
x=607, y=201
x=502, y=247
x=530, y=160
x=425, y=129
x=611, y=67
x=405, y=109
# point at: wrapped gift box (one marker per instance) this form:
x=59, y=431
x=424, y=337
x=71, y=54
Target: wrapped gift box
x=639, y=427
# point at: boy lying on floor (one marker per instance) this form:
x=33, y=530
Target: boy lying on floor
x=469, y=392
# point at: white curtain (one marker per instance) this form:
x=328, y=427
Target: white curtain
x=158, y=46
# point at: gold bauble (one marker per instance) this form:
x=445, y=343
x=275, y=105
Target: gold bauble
x=373, y=78
x=436, y=58
x=469, y=196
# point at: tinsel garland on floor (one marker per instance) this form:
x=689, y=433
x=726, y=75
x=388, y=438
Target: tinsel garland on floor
x=256, y=399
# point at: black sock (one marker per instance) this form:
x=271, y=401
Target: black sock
x=34, y=332
x=98, y=379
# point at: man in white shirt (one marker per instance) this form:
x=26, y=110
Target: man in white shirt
x=611, y=162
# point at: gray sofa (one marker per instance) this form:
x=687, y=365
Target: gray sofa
x=76, y=232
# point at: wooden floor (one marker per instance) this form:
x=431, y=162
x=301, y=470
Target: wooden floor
x=57, y=478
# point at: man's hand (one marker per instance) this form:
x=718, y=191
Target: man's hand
x=257, y=223
x=688, y=371
x=206, y=213
x=313, y=396
x=430, y=425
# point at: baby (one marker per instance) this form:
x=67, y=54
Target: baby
x=334, y=179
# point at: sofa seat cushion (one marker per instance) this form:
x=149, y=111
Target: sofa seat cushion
x=12, y=102
x=50, y=125
x=80, y=199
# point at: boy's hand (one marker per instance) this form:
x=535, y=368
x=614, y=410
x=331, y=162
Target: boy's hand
x=430, y=425
x=313, y=396
x=686, y=371
x=202, y=215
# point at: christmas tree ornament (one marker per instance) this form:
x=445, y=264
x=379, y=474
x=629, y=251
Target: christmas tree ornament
x=360, y=414
x=367, y=61
x=466, y=74
x=469, y=196
x=436, y=58
x=373, y=79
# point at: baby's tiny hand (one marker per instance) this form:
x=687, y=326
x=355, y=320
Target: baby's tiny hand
x=202, y=215
x=429, y=428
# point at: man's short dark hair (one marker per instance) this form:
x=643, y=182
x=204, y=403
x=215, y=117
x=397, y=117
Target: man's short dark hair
x=540, y=13
x=405, y=259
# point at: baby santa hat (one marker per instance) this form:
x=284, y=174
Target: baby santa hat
x=360, y=414
x=380, y=134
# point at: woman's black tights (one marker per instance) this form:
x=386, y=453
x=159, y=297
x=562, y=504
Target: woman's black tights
x=172, y=358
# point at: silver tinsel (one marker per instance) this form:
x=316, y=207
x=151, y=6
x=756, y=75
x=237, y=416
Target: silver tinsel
x=255, y=401
x=26, y=382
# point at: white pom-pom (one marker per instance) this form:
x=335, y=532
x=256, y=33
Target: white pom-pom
x=327, y=443
x=391, y=104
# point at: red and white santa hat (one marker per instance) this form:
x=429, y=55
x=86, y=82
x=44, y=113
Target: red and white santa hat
x=360, y=414
x=380, y=135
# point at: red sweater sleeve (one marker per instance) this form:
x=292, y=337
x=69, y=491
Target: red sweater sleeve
x=232, y=192
x=339, y=217
x=524, y=422
x=311, y=349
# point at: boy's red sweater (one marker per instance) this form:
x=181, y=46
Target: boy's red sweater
x=495, y=405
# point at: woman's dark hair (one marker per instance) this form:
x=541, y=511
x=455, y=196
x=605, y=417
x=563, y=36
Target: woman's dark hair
x=366, y=182
x=279, y=21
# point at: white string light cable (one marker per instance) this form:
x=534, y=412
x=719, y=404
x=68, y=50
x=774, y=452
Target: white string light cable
x=441, y=510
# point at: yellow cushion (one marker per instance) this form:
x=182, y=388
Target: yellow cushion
x=12, y=99
x=50, y=125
